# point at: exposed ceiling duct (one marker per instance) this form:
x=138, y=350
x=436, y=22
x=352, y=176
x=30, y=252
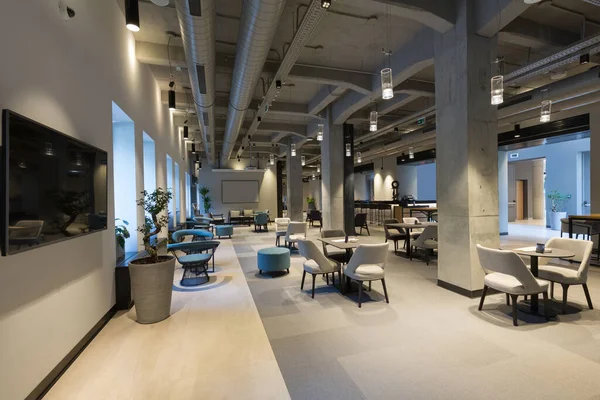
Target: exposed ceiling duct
x=258, y=25
x=197, y=24
x=314, y=14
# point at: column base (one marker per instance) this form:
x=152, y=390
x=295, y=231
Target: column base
x=457, y=289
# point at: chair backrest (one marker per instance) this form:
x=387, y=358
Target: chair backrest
x=506, y=262
x=281, y=224
x=414, y=221
x=329, y=233
x=295, y=228
x=315, y=215
x=248, y=213
x=368, y=254
x=261, y=219
x=430, y=232
x=33, y=231
x=234, y=213
x=181, y=234
x=360, y=219
x=581, y=248
x=310, y=251
x=385, y=228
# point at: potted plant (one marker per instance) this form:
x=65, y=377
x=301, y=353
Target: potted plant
x=311, y=203
x=121, y=233
x=557, y=201
x=152, y=276
x=206, y=200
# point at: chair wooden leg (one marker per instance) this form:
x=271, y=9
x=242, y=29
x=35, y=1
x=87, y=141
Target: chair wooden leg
x=327, y=279
x=302, y=284
x=313, y=286
x=368, y=233
x=359, y=293
x=507, y=299
x=387, y=300
x=514, y=298
x=587, y=296
x=369, y=286
x=485, y=288
x=546, y=306
x=564, y=302
x=551, y=290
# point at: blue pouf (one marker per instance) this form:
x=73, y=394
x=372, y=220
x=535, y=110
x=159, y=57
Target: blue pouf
x=274, y=259
x=223, y=230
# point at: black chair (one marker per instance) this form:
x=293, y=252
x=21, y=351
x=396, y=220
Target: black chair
x=315, y=215
x=360, y=221
x=393, y=236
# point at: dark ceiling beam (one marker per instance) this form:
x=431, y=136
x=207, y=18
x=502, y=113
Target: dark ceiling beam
x=536, y=36
x=493, y=16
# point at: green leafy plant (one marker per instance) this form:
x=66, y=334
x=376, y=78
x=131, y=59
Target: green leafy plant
x=557, y=200
x=310, y=200
x=206, y=199
x=154, y=204
x=121, y=232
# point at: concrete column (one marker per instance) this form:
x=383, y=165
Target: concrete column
x=332, y=167
x=279, y=166
x=595, y=160
x=349, y=181
x=503, y=192
x=467, y=152
x=407, y=181
x=385, y=172
x=294, y=186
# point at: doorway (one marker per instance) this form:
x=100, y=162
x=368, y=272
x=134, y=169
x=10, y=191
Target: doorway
x=521, y=199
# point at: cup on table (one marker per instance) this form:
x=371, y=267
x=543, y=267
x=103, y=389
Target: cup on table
x=540, y=248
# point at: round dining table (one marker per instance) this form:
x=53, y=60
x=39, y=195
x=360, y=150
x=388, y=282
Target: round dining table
x=535, y=256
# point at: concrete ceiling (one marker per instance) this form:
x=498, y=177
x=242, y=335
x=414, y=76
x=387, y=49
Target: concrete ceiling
x=339, y=66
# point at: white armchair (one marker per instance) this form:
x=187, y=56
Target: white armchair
x=507, y=273
x=316, y=264
x=367, y=264
x=414, y=233
x=281, y=225
x=427, y=241
x=568, y=272
x=295, y=231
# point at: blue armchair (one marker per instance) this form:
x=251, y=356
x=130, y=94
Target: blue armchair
x=198, y=253
x=260, y=220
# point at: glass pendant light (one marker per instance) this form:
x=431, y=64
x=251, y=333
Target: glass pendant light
x=49, y=151
x=271, y=159
x=411, y=153
x=293, y=149
x=318, y=168
x=387, y=87
x=320, y=132
x=497, y=85
x=358, y=157
x=303, y=160
x=546, y=111
x=373, y=121
x=348, y=150
x=314, y=177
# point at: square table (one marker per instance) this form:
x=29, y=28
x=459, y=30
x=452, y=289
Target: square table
x=409, y=227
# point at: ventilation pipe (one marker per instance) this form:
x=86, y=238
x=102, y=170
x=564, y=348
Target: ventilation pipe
x=258, y=25
x=197, y=24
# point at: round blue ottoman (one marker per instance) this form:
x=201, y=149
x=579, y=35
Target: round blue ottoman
x=273, y=259
x=223, y=230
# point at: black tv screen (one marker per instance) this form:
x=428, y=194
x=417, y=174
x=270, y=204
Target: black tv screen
x=54, y=187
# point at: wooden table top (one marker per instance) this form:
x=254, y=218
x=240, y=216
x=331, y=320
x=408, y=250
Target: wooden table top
x=405, y=225
x=556, y=253
x=590, y=217
x=422, y=208
x=353, y=242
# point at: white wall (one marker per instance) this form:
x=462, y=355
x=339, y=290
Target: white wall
x=360, y=186
x=407, y=181
x=65, y=74
x=426, y=182
x=267, y=183
x=382, y=180
x=312, y=189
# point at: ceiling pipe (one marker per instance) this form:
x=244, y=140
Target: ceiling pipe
x=198, y=37
x=258, y=25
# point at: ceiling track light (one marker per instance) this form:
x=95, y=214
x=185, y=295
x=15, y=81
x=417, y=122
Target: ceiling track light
x=172, y=104
x=132, y=15
x=259, y=119
x=193, y=148
x=584, y=58
x=186, y=133
x=278, y=84
x=326, y=4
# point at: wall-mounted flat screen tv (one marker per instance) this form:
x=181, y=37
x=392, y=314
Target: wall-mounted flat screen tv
x=54, y=187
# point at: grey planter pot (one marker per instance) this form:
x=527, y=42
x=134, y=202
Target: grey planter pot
x=555, y=218
x=152, y=289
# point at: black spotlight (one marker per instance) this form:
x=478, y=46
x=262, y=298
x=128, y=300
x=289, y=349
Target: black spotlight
x=193, y=148
x=326, y=4
x=396, y=130
x=584, y=58
x=132, y=15
x=197, y=157
x=258, y=119
x=278, y=84
x=249, y=137
x=172, y=104
x=243, y=148
x=186, y=133
x=238, y=159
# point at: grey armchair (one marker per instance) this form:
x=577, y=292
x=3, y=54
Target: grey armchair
x=367, y=264
x=426, y=241
x=395, y=237
x=316, y=264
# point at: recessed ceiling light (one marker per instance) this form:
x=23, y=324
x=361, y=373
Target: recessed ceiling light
x=326, y=4
x=531, y=1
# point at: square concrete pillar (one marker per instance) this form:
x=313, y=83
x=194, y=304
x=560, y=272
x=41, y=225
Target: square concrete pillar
x=295, y=199
x=503, y=192
x=467, y=152
x=595, y=160
x=332, y=174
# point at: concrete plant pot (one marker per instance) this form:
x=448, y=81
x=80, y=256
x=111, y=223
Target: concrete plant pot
x=152, y=288
x=555, y=218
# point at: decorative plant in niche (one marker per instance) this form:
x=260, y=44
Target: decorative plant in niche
x=121, y=232
x=557, y=200
x=311, y=202
x=206, y=200
x=154, y=204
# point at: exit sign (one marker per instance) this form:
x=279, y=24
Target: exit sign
x=421, y=121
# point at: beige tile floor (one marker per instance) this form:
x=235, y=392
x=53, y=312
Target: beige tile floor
x=264, y=338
